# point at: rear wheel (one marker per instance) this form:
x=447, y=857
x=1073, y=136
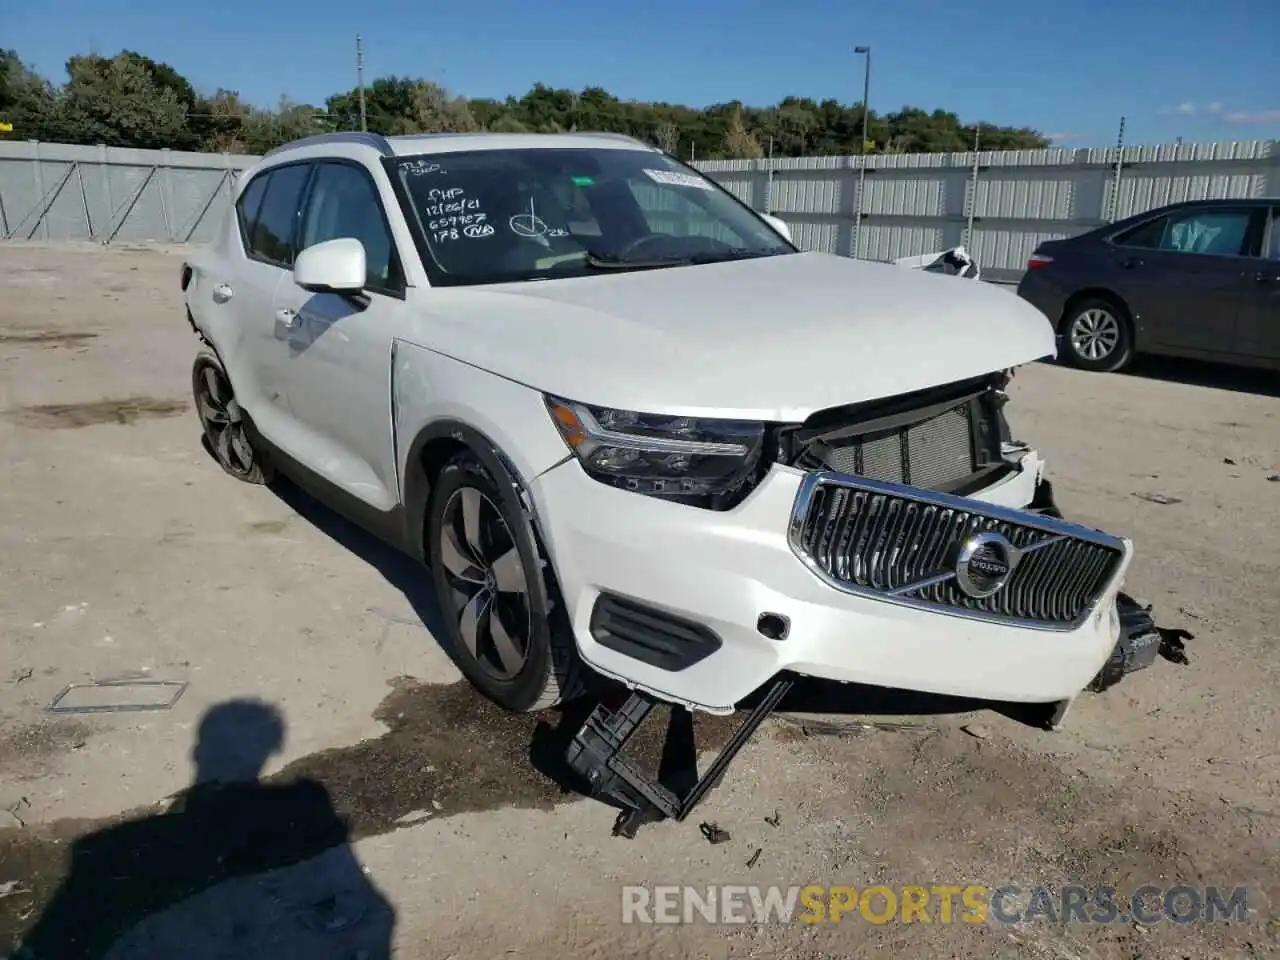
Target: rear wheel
x=223, y=421
x=1097, y=335
x=505, y=631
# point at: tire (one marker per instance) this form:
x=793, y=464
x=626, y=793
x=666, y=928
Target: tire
x=1097, y=335
x=505, y=627
x=224, y=430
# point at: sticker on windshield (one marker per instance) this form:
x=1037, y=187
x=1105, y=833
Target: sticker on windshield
x=675, y=178
x=583, y=182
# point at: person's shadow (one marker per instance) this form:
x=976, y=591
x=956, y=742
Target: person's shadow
x=193, y=881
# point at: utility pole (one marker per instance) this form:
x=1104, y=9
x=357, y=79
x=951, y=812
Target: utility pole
x=866, y=96
x=973, y=187
x=768, y=193
x=1113, y=200
x=862, y=151
x=364, y=122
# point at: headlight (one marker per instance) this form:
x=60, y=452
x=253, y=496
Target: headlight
x=677, y=457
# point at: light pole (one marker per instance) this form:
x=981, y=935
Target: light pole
x=862, y=169
x=866, y=95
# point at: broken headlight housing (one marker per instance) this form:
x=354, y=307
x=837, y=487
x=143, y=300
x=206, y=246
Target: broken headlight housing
x=701, y=462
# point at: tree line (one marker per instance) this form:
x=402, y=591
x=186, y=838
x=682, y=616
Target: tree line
x=130, y=100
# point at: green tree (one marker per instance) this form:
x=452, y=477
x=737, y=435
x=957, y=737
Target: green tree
x=132, y=100
x=116, y=101
x=27, y=100
x=739, y=142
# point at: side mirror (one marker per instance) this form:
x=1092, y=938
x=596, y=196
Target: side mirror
x=778, y=225
x=334, y=266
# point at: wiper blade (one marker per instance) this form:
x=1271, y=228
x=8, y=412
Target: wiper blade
x=600, y=262
x=603, y=262
x=737, y=253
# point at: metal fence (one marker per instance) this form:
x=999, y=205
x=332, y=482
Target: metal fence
x=999, y=204
x=54, y=191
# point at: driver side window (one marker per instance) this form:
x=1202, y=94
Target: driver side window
x=344, y=203
x=667, y=210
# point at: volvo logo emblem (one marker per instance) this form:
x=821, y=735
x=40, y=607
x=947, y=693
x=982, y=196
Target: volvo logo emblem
x=984, y=563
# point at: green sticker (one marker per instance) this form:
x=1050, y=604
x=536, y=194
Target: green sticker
x=583, y=182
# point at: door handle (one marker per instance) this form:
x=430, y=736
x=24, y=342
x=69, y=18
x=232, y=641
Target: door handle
x=1130, y=262
x=222, y=293
x=288, y=317
x=1262, y=276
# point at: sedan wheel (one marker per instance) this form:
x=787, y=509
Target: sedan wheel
x=490, y=591
x=1095, y=334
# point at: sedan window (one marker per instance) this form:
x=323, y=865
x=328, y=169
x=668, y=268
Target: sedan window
x=1214, y=232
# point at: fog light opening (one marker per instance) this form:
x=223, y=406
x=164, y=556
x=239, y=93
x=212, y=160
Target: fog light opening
x=773, y=626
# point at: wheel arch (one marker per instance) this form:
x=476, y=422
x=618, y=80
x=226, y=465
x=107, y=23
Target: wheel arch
x=432, y=447
x=1126, y=315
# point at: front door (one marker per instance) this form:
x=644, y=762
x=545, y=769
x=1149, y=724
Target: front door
x=337, y=363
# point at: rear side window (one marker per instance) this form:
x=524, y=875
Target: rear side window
x=275, y=232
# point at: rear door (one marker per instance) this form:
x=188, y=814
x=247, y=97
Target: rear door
x=1259, y=329
x=269, y=242
x=1183, y=275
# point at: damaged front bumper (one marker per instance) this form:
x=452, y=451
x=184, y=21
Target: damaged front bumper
x=702, y=608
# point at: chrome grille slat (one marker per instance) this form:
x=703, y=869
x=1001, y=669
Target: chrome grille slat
x=900, y=543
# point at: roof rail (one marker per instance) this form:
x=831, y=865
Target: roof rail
x=604, y=135
x=375, y=140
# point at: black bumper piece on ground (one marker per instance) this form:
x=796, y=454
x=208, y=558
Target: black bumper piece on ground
x=595, y=754
x=1139, y=644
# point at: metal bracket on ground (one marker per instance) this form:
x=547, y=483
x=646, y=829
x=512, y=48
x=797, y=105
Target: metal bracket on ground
x=595, y=753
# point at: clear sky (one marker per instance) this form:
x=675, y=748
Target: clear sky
x=1176, y=68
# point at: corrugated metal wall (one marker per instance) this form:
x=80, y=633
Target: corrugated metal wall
x=1000, y=205
x=54, y=191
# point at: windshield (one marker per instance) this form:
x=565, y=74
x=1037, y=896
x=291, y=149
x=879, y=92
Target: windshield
x=499, y=215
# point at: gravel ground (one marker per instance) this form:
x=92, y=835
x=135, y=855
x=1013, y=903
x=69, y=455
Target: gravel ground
x=397, y=809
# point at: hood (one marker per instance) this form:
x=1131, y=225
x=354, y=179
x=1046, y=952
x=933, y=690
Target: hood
x=768, y=339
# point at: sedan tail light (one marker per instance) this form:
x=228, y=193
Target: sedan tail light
x=1039, y=260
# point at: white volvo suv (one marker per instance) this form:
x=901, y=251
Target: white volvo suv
x=626, y=423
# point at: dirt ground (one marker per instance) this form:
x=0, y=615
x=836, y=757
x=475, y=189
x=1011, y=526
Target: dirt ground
x=396, y=807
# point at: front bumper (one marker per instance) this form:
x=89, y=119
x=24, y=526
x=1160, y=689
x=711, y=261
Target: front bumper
x=723, y=570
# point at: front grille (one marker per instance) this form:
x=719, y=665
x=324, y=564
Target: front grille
x=937, y=453
x=903, y=545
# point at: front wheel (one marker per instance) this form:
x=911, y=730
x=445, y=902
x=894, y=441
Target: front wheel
x=1097, y=335
x=504, y=630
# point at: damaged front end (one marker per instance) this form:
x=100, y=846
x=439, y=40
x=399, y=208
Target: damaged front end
x=954, y=442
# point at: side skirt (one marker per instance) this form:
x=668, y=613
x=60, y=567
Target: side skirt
x=387, y=525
